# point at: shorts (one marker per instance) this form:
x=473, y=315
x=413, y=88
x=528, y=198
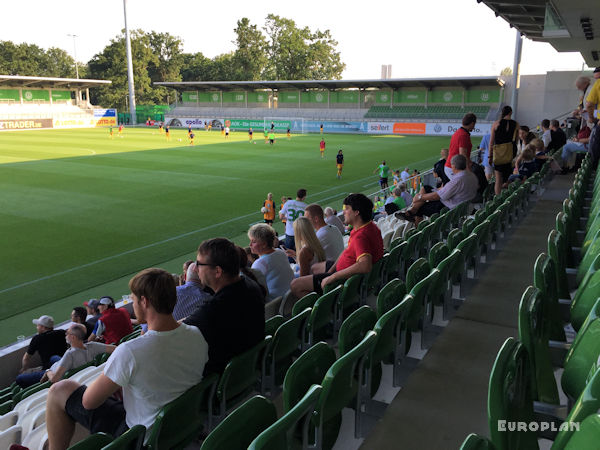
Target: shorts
x=339, y=166
x=430, y=208
x=109, y=417
x=269, y=221
x=321, y=276
x=227, y=134
x=271, y=140
x=383, y=181
x=505, y=170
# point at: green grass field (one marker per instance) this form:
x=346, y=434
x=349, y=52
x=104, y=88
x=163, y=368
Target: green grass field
x=80, y=213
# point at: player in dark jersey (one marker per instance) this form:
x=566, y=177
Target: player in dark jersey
x=339, y=159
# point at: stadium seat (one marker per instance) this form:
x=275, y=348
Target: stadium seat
x=416, y=272
x=180, y=422
x=132, y=439
x=437, y=253
x=285, y=344
x=389, y=296
x=454, y=237
x=475, y=442
x=591, y=249
x=8, y=420
x=272, y=308
x=468, y=226
x=6, y=407
x=483, y=234
x=93, y=442
x=395, y=264
x=557, y=252
x=242, y=426
x=348, y=299
x=469, y=248
x=586, y=295
x=307, y=301
x=272, y=324
x=11, y=435
x=509, y=397
x=544, y=279
x=277, y=436
x=320, y=322
x=354, y=328
x=371, y=281
x=421, y=312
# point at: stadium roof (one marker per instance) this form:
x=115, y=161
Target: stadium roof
x=394, y=83
x=567, y=25
x=48, y=82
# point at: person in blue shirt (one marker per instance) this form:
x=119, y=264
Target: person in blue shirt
x=485, y=146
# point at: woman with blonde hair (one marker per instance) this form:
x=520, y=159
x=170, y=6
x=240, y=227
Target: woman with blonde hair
x=308, y=248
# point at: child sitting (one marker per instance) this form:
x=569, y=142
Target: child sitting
x=526, y=165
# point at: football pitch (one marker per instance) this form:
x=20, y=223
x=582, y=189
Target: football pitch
x=80, y=212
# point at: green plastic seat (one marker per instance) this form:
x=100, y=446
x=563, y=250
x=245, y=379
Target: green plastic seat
x=438, y=252
x=320, y=322
x=242, y=425
x=70, y=373
x=393, y=342
x=93, y=442
x=586, y=295
x=348, y=300
x=586, y=437
x=475, y=442
x=421, y=313
x=413, y=249
x=132, y=439
x=468, y=225
x=587, y=404
x=7, y=406
x=307, y=301
x=557, y=252
x=582, y=356
x=534, y=333
x=509, y=397
x=286, y=343
x=564, y=227
x=495, y=228
x=454, y=238
x=452, y=269
x=239, y=378
x=277, y=436
x=469, y=249
x=389, y=296
x=384, y=269
x=355, y=327
x=483, y=234
x=179, y=422
x=396, y=266
x=416, y=272
x=593, y=250
x=272, y=324
x=544, y=279
x=30, y=391
x=372, y=281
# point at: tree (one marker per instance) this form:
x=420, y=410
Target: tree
x=31, y=60
x=250, y=57
x=195, y=67
x=168, y=63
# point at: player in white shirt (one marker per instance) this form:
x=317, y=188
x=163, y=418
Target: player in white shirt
x=292, y=209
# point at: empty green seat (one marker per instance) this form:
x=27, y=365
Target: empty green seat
x=348, y=300
x=475, y=442
x=277, y=436
x=586, y=295
x=469, y=249
x=180, y=422
x=593, y=250
x=585, y=436
x=355, y=327
x=389, y=296
x=305, y=302
x=544, y=278
x=93, y=442
x=242, y=426
x=395, y=265
x=557, y=252
x=468, y=225
x=454, y=238
x=416, y=272
x=319, y=324
x=438, y=252
x=483, y=234
x=132, y=439
x=421, y=313
x=372, y=280
x=272, y=324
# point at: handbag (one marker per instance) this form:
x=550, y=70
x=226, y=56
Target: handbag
x=503, y=153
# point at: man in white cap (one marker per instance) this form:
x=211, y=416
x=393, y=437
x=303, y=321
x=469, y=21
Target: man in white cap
x=49, y=343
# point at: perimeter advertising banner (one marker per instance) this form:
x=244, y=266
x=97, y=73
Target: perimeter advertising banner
x=100, y=118
x=195, y=122
x=448, y=128
x=25, y=124
x=105, y=117
x=423, y=128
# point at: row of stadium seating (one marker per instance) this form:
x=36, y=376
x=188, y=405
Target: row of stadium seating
x=261, y=113
x=422, y=112
x=559, y=319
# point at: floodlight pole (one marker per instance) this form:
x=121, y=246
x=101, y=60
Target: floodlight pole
x=516, y=77
x=129, y=68
x=74, y=36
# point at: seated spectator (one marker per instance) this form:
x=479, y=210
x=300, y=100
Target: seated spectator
x=190, y=295
x=329, y=236
x=49, y=343
x=79, y=354
x=152, y=370
x=438, y=167
x=405, y=195
x=540, y=153
x=558, y=138
x=462, y=187
x=364, y=248
x=397, y=179
x=331, y=218
x=78, y=315
x=394, y=202
x=251, y=256
x=93, y=313
x=405, y=175
x=113, y=324
x=309, y=250
x=526, y=166
x=578, y=144
x=233, y=321
x=546, y=133
x=482, y=181
x=253, y=274
x=182, y=277
x=272, y=262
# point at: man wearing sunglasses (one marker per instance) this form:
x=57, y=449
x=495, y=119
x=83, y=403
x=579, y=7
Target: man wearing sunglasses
x=233, y=320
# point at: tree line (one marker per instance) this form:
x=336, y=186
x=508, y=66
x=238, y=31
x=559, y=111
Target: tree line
x=279, y=50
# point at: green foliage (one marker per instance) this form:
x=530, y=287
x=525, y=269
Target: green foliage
x=31, y=60
x=250, y=57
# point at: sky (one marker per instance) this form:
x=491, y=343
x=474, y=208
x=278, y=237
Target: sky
x=425, y=38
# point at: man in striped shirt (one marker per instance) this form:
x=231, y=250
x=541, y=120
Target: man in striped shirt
x=189, y=295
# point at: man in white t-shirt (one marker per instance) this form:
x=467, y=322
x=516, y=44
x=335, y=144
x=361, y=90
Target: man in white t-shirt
x=330, y=237
x=332, y=219
x=292, y=209
x=153, y=370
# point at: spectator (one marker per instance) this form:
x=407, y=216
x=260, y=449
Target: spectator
x=49, y=343
x=558, y=138
x=405, y=195
x=152, y=370
x=233, y=321
x=272, y=262
x=416, y=180
x=460, y=143
x=77, y=355
x=525, y=166
x=582, y=84
x=396, y=175
x=484, y=146
x=546, y=135
x=309, y=249
x=331, y=218
x=250, y=255
x=503, y=147
x=438, y=167
x=540, y=155
x=462, y=187
x=405, y=175
x=189, y=295
x=291, y=211
x=364, y=248
x=482, y=181
x=182, y=278
x=329, y=236
x=93, y=313
x=577, y=144
x=113, y=324
x=252, y=274
x=591, y=105
x=78, y=315
x=521, y=141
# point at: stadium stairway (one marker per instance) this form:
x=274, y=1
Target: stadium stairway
x=445, y=397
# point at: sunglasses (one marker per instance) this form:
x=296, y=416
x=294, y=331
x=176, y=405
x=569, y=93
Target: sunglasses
x=198, y=263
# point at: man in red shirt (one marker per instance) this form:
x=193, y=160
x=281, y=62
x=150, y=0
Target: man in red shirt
x=460, y=143
x=113, y=324
x=364, y=248
x=322, y=148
